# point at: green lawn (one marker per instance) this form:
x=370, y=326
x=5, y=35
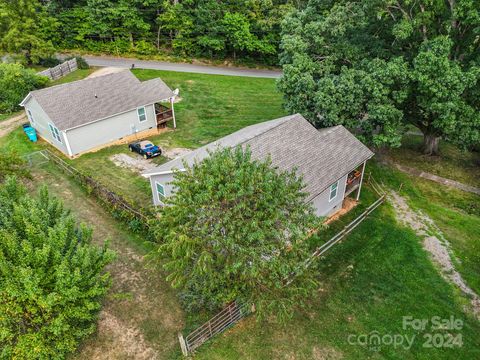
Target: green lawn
x=455, y=213
x=379, y=274
x=368, y=282
x=74, y=76
x=455, y=164
x=141, y=312
x=9, y=115
x=213, y=106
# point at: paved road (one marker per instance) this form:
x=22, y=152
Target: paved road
x=182, y=67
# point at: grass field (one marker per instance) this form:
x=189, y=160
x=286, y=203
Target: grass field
x=379, y=274
x=212, y=106
x=74, y=76
x=140, y=316
x=455, y=164
x=455, y=213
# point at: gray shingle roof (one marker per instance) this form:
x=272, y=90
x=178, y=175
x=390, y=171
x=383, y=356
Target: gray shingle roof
x=74, y=104
x=320, y=156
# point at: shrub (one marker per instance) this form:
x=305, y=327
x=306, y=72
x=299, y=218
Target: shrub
x=143, y=47
x=12, y=164
x=15, y=83
x=81, y=62
x=52, y=278
x=49, y=62
x=236, y=228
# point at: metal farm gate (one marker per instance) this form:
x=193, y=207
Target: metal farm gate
x=220, y=322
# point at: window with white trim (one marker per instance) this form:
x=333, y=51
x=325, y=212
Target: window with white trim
x=142, y=115
x=30, y=116
x=55, y=133
x=160, y=190
x=333, y=191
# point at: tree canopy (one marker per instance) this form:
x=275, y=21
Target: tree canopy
x=52, y=278
x=16, y=82
x=376, y=66
x=25, y=30
x=12, y=164
x=247, y=29
x=236, y=228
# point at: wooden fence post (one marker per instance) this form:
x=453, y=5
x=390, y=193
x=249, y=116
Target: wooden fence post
x=183, y=344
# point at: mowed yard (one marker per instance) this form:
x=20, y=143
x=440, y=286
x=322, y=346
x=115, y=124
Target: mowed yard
x=211, y=106
x=379, y=274
x=376, y=276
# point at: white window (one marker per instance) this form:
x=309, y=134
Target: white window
x=333, y=191
x=142, y=115
x=30, y=117
x=55, y=133
x=160, y=190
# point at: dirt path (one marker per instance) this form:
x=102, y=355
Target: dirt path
x=105, y=71
x=438, y=179
x=436, y=244
x=11, y=124
x=139, y=164
x=140, y=317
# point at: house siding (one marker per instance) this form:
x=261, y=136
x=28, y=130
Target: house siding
x=96, y=134
x=40, y=124
x=324, y=207
x=165, y=180
x=321, y=203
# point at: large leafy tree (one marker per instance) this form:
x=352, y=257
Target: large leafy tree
x=378, y=65
x=237, y=228
x=119, y=18
x=16, y=82
x=25, y=30
x=52, y=278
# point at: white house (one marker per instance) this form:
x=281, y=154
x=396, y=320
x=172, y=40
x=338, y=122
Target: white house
x=89, y=114
x=331, y=160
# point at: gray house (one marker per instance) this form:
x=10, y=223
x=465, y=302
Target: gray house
x=89, y=114
x=331, y=160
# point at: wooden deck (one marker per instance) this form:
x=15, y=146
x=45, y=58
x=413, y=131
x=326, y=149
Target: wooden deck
x=163, y=115
x=353, y=182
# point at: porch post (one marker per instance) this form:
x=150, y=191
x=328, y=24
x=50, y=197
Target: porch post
x=173, y=113
x=361, y=182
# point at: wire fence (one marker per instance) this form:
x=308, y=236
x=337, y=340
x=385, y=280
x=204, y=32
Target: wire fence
x=114, y=201
x=236, y=310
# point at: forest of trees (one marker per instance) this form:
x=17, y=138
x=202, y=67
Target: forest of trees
x=378, y=66
x=246, y=29
x=375, y=66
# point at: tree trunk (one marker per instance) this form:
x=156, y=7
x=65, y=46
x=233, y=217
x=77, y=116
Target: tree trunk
x=430, y=144
x=132, y=45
